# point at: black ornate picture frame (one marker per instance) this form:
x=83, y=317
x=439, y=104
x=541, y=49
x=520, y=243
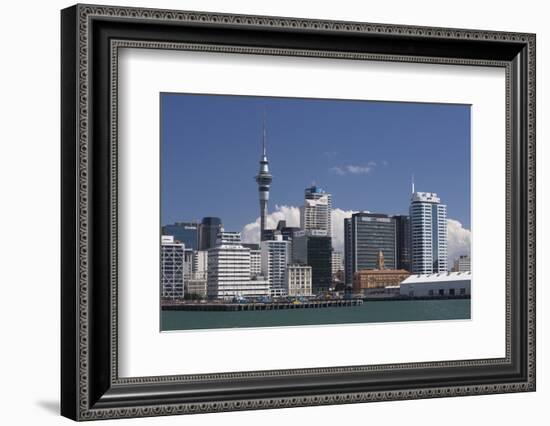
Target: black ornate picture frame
x=90, y=385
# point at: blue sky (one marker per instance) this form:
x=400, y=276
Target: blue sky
x=362, y=152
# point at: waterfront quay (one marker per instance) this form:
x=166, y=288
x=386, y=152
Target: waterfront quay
x=258, y=306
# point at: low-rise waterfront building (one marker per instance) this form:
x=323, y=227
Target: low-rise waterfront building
x=462, y=264
x=445, y=284
x=298, y=280
x=196, y=287
x=380, y=277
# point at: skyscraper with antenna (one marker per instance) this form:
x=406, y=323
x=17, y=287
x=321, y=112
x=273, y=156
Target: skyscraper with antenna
x=263, y=179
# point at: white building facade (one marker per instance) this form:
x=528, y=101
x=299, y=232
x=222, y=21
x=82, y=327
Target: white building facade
x=448, y=284
x=275, y=255
x=229, y=270
x=172, y=268
x=187, y=264
x=316, y=212
x=196, y=285
x=462, y=264
x=337, y=262
x=428, y=224
x=298, y=280
x=255, y=262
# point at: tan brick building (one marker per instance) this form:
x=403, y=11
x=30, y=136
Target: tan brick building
x=378, y=278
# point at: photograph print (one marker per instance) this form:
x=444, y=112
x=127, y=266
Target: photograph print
x=283, y=212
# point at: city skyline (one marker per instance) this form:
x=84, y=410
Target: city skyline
x=378, y=177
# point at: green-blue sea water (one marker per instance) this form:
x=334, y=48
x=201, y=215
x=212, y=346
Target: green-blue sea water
x=368, y=312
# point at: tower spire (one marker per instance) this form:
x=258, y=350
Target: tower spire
x=412, y=184
x=263, y=139
x=263, y=179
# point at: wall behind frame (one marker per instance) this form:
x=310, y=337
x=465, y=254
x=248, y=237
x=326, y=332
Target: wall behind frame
x=29, y=217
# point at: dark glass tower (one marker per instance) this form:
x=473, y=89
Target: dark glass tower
x=209, y=228
x=403, y=240
x=184, y=232
x=315, y=251
x=365, y=235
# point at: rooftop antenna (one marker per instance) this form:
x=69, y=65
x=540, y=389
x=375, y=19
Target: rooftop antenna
x=264, y=137
x=412, y=183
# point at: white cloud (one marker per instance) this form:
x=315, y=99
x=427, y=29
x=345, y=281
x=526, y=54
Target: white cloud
x=338, y=170
x=458, y=240
x=353, y=169
x=251, y=231
x=338, y=216
x=458, y=237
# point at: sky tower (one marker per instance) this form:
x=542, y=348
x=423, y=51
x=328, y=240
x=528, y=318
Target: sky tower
x=263, y=178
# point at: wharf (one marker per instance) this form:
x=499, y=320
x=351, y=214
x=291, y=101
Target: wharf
x=272, y=306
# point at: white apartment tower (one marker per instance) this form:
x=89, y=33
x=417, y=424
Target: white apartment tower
x=197, y=282
x=316, y=212
x=428, y=223
x=229, y=270
x=200, y=263
x=172, y=268
x=337, y=262
x=275, y=258
x=255, y=262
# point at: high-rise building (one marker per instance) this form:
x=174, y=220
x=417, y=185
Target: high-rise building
x=196, y=285
x=255, y=259
x=315, y=214
x=209, y=229
x=263, y=179
x=348, y=253
x=462, y=264
x=337, y=262
x=184, y=232
x=298, y=280
x=229, y=270
x=275, y=258
x=365, y=235
x=172, y=268
x=314, y=249
x=187, y=264
x=403, y=242
x=428, y=221
x=286, y=231
x=200, y=262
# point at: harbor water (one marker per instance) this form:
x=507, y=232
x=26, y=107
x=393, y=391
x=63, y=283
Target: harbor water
x=368, y=312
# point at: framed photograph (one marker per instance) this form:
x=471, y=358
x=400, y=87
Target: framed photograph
x=263, y=212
